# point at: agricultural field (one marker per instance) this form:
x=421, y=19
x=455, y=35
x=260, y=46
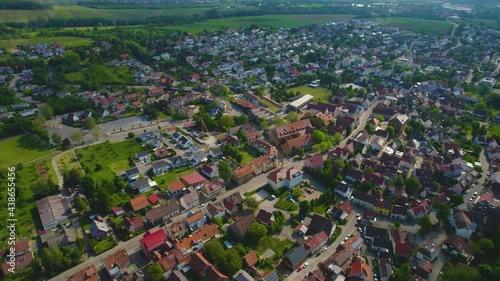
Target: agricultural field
x=70, y=11
x=101, y=158
x=68, y=41
x=434, y=27
x=319, y=94
x=21, y=150
x=280, y=21
x=101, y=74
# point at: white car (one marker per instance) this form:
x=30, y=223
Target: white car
x=305, y=265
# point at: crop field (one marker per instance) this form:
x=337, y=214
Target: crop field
x=21, y=150
x=69, y=11
x=69, y=41
x=434, y=27
x=319, y=94
x=280, y=21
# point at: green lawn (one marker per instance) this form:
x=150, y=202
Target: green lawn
x=283, y=21
x=269, y=105
x=434, y=27
x=319, y=94
x=21, y=150
x=321, y=209
x=280, y=247
x=284, y=204
x=102, y=74
x=67, y=161
x=103, y=245
x=85, y=223
x=246, y=157
x=68, y=41
x=107, y=155
x=169, y=177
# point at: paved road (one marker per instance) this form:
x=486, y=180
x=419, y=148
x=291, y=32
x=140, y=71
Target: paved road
x=481, y=182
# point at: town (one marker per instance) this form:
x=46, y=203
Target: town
x=348, y=150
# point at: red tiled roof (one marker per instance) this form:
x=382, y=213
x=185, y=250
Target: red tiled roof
x=176, y=185
x=403, y=249
x=346, y=207
x=251, y=258
x=195, y=217
x=153, y=240
x=314, y=161
x=153, y=199
x=193, y=179
x=199, y=263
x=316, y=241
x=139, y=203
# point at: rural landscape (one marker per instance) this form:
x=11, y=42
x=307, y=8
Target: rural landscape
x=249, y=140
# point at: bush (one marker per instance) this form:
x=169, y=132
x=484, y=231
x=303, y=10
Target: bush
x=131, y=135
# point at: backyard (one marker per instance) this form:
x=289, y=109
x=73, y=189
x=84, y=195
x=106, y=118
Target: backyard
x=319, y=94
x=173, y=175
x=280, y=247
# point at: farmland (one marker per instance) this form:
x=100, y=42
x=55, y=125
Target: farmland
x=319, y=94
x=21, y=150
x=68, y=41
x=434, y=27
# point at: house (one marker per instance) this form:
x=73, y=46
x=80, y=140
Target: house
x=242, y=275
x=152, y=240
x=185, y=142
x=177, y=276
x=118, y=211
x=143, y=156
x=342, y=211
x=153, y=199
x=359, y=270
x=99, y=230
x=159, y=167
x=195, y=241
x=265, y=217
x=314, y=244
x=190, y=199
x=456, y=245
x=399, y=120
x=314, y=162
x=382, y=207
x=193, y=179
x=132, y=174
x=280, y=133
x=176, y=230
x=292, y=146
x=399, y=212
x=163, y=212
x=376, y=179
x=170, y=260
x=208, y=171
x=319, y=223
x=243, y=174
x=288, y=178
x=372, y=232
x=419, y=209
x=213, y=188
x=343, y=189
x=428, y=251
x=117, y=264
x=134, y=224
x=145, y=137
x=213, y=274
x=295, y=257
x=23, y=256
x=353, y=176
x=240, y=227
x=215, y=210
x=271, y=275
x=195, y=220
x=199, y=263
x=138, y=203
x=365, y=200
x=250, y=259
x=462, y=223
x=142, y=185
x=423, y=270
x=65, y=237
x=89, y=273
x=176, y=187
x=232, y=203
x=52, y=210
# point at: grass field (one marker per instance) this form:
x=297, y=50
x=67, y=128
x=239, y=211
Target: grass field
x=280, y=247
x=67, y=161
x=68, y=41
x=69, y=11
x=434, y=27
x=21, y=150
x=282, y=21
x=102, y=74
x=319, y=94
x=106, y=155
x=169, y=177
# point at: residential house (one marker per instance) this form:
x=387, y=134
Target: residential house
x=291, y=146
x=342, y=211
x=241, y=226
x=185, y=142
x=193, y=179
x=195, y=220
x=160, y=167
x=423, y=270
x=456, y=245
x=343, y=189
x=23, y=256
x=462, y=223
x=89, y=273
x=132, y=174
x=295, y=257
x=319, y=223
x=176, y=187
x=243, y=174
x=199, y=263
x=142, y=185
x=428, y=251
x=52, y=210
x=133, y=225
x=163, y=212
x=145, y=137
x=271, y=275
x=138, y=203
x=250, y=259
x=354, y=176
x=99, y=230
x=176, y=230
x=143, y=156
x=213, y=274
x=288, y=178
x=363, y=199
x=213, y=188
x=265, y=217
x=372, y=232
x=385, y=269
x=314, y=162
x=118, y=211
x=419, y=209
x=153, y=240
x=117, y=264
x=208, y=171
x=195, y=241
x=288, y=131
x=360, y=270
x=215, y=210
x=382, y=207
x=399, y=212
x=190, y=199
x=170, y=260
x=177, y=276
x=315, y=243
x=242, y=275
x=65, y=237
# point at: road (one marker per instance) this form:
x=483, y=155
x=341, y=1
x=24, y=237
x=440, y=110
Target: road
x=480, y=186
x=349, y=228
x=451, y=36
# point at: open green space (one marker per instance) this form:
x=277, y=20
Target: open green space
x=285, y=205
x=269, y=105
x=319, y=94
x=169, y=177
x=68, y=41
x=101, y=74
x=280, y=247
x=434, y=27
x=280, y=21
x=99, y=158
x=67, y=161
x=102, y=245
x=246, y=157
x=321, y=209
x=71, y=11
x=21, y=150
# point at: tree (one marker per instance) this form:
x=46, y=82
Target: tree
x=425, y=225
x=44, y=188
x=77, y=137
x=443, y=212
x=264, y=125
x=484, y=246
x=304, y=207
x=241, y=136
x=319, y=136
x=47, y=111
x=66, y=142
x=251, y=203
x=90, y=123
x=80, y=204
x=131, y=135
x=96, y=133
x=460, y=272
x=413, y=185
x=255, y=233
x=278, y=121
x=456, y=199
x=214, y=251
x=301, y=152
x=242, y=119
x=398, y=181
x=225, y=171
x=232, y=262
x=56, y=138
x=155, y=272
x=54, y=260
x=402, y=273
x=369, y=129
x=72, y=178
x=292, y=117
x=226, y=122
x=397, y=224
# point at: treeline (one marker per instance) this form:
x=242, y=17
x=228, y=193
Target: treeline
x=23, y=5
